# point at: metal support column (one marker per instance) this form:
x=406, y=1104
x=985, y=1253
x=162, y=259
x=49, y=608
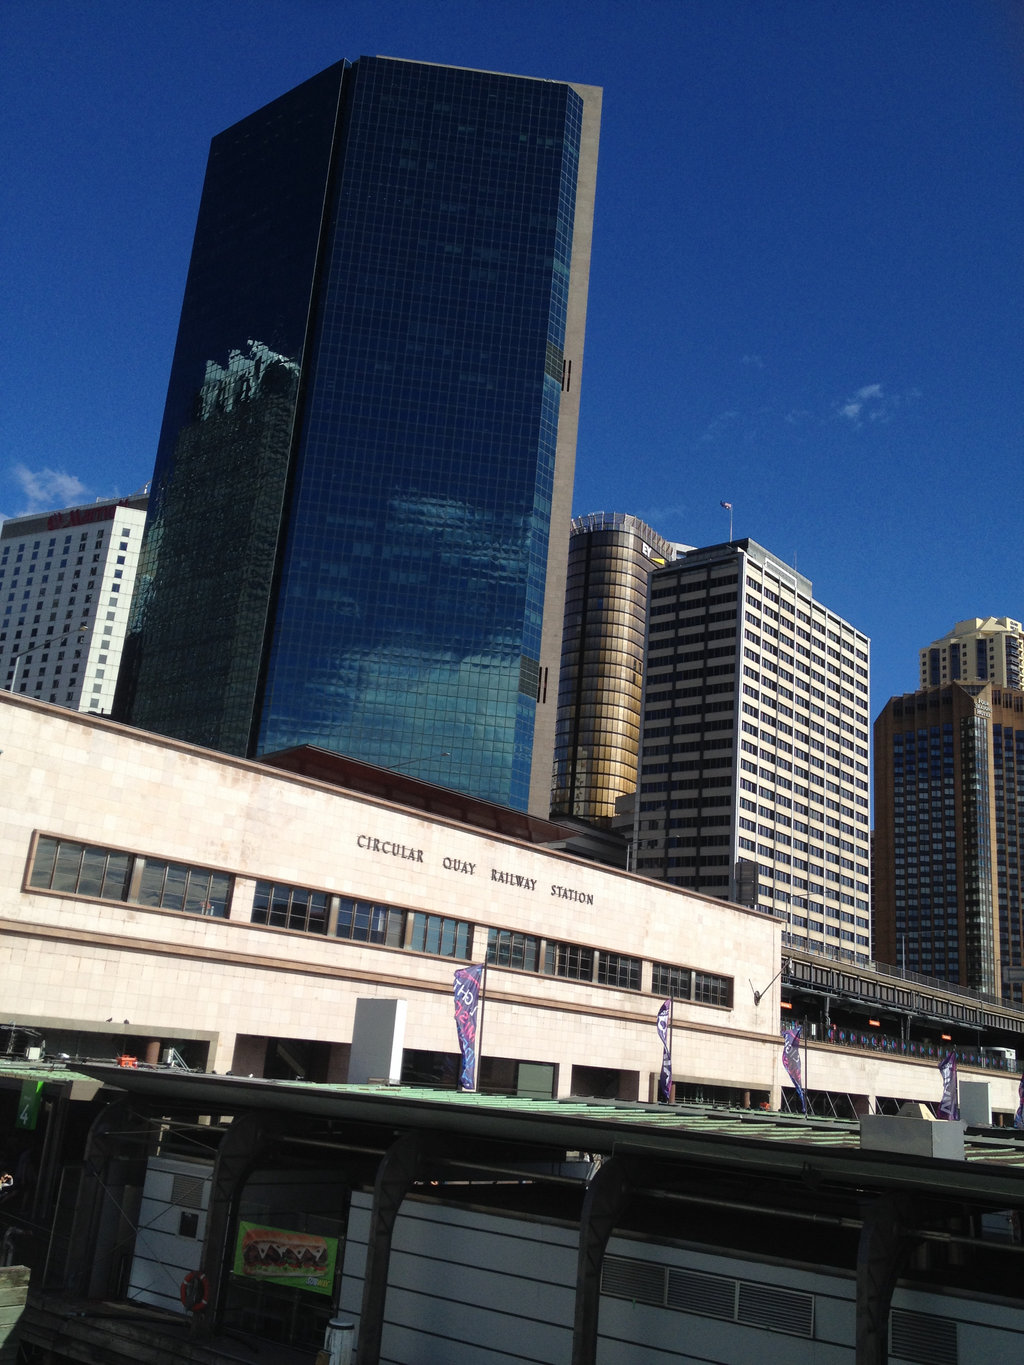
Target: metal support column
x=885, y=1243
x=243, y=1144
x=103, y=1226
x=604, y=1201
x=400, y=1165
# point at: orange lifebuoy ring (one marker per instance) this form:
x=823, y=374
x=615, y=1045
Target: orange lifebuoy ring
x=195, y=1291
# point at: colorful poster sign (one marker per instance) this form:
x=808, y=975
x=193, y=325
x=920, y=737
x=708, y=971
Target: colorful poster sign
x=1018, y=1118
x=467, y=992
x=665, y=1034
x=300, y=1260
x=791, y=1061
x=949, y=1105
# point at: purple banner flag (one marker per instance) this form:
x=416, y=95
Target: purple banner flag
x=468, y=986
x=1018, y=1118
x=791, y=1061
x=949, y=1105
x=665, y=1034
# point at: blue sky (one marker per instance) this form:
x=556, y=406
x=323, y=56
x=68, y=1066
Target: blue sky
x=807, y=285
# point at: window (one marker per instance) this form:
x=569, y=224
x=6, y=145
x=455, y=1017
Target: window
x=569, y=960
x=506, y=948
x=367, y=922
x=613, y=969
x=671, y=982
x=175, y=886
x=441, y=936
x=108, y=874
x=80, y=870
x=712, y=990
x=290, y=907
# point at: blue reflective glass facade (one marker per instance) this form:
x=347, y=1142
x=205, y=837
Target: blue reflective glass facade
x=193, y=655
x=405, y=543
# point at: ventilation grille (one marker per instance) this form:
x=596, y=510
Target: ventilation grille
x=781, y=1310
x=719, y=1296
x=187, y=1191
x=923, y=1339
x=639, y=1281
x=712, y=1296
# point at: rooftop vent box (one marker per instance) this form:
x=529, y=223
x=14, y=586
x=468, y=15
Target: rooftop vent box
x=912, y=1136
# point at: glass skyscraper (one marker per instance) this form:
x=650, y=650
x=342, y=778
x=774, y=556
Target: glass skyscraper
x=360, y=510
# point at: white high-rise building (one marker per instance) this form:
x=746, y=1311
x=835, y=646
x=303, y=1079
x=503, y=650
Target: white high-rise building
x=66, y=582
x=754, y=766
x=978, y=650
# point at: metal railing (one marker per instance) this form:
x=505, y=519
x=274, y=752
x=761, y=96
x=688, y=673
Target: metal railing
x=797, y=943
x=901, y=1047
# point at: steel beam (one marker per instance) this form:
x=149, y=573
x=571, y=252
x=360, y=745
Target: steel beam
x=885, y=1243
x=603, y=1203
x=400, y=1165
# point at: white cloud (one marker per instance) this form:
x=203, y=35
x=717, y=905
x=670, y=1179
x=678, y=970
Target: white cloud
x=717, y=427
x=854, y=407
x=871, y=403
x=47, y=489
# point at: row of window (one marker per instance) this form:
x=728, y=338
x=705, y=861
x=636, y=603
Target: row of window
x=442, y=936
x=682, y=587
x=83, y=870
x=77, y=869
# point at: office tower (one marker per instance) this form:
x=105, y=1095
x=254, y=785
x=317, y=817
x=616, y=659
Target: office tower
x=597, y=734
x=989, y=649
x=360, y=510
x=754, y=749
x=949, y=835
x=66, y=581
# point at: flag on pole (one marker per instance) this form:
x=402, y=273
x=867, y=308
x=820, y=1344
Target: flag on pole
x=726, y=505
x=949, y=1105
x=1018, y=1118
x=791, y=1061
x=467, y=992
x=665, y=1034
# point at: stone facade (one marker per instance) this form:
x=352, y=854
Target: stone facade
x=83, y=963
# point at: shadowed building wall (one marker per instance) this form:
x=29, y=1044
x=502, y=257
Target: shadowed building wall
x=949, y=835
